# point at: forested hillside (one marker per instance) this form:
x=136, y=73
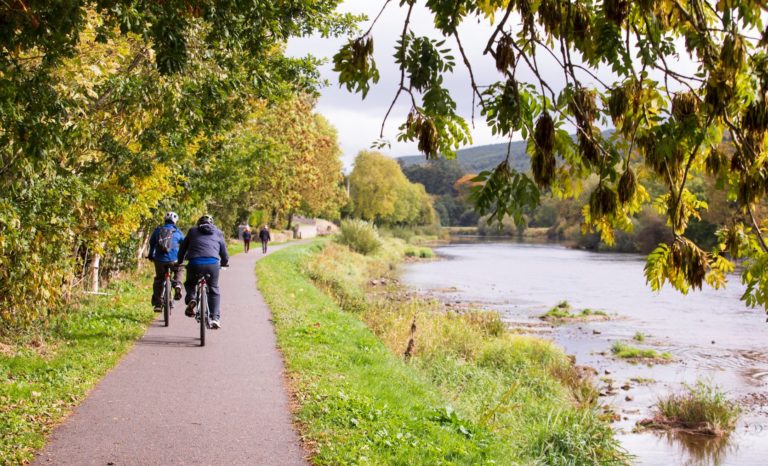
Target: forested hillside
x=480, y=158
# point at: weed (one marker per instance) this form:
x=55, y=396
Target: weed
x=639, y=336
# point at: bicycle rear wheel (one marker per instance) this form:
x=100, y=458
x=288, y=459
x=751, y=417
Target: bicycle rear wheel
x=203, y=313
x=167, y=301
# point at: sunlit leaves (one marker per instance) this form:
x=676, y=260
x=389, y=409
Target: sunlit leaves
x=356, y=66
x=381, y=193
x=504, y=192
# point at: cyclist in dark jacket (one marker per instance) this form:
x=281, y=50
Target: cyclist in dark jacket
x=206, y=250
x=265, y=238
x=165, y=256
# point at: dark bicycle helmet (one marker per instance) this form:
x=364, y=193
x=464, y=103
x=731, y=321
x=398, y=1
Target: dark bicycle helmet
x=205, y=220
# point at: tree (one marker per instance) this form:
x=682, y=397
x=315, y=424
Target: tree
x=111, y=111
x=381, y=193
x=283, y=159
x=674, y=122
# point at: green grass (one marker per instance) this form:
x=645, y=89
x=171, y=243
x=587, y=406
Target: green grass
x=700, y=408
x=470, y=394
x=625, y=351
x=563, y=312
x=639, y=336
x=420, y=252
x=236, y=247
x=42, y=377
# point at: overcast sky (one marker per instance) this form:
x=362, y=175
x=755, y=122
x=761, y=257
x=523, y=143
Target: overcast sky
x=359, y=121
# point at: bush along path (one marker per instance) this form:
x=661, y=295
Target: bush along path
x=170, y=401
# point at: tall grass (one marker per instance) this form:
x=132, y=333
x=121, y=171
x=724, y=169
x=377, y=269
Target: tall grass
x=360, y=236
x=701, y=407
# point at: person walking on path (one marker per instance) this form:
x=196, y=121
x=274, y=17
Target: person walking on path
x=247, y=238
x=265, y=238
x=164, y=253
x=206, y=249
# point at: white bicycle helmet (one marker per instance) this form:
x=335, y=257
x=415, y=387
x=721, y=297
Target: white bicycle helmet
x=171, y=217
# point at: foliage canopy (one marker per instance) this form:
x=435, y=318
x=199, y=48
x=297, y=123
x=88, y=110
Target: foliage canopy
x=112, y=111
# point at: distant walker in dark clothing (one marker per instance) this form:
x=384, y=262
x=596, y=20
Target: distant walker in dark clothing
x=206, y=250
x=265, y=238
x=247, y=238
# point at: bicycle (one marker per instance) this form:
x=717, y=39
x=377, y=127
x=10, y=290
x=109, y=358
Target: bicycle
x=202, y=311
x=167, y=298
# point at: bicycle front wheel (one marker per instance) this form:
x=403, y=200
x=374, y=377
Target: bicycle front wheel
x=203, y=313
x=167, y=302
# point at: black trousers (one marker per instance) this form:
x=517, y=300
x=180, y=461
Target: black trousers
x=264, y=246
x=247, y=244
x=157, y=285
x=194, y=271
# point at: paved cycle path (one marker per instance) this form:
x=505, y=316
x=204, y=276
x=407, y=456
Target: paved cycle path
x=171, y=402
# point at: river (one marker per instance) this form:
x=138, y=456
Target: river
x=711, y=334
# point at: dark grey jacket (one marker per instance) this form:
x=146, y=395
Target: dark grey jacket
x=204, y=241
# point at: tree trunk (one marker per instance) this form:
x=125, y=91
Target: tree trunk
x=290, y=220
x=142, y=250
x=95, y=272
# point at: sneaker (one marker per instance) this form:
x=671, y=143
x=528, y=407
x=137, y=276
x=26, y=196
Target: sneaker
x=190, y=310
x=177, y=293
x=215, y=324
x=158, y=308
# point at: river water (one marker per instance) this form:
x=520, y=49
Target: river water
x=711, y=334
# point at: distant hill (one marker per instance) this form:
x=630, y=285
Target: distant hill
x=477, y=159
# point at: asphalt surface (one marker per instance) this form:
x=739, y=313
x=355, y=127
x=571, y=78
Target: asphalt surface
x=172, y=402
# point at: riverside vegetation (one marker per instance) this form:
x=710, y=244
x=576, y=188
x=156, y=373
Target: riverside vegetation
x=700, y=408
x=382, y=377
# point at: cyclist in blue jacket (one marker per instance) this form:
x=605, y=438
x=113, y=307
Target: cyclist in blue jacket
x=164, y=252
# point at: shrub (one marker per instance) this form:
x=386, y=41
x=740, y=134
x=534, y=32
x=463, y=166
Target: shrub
x=360, y=236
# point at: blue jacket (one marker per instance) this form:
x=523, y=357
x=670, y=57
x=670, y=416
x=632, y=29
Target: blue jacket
x=173, y=254
x=204, y=244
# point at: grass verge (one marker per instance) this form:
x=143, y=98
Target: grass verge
x=467, y=393
x=699, y=409
x=43, y=376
